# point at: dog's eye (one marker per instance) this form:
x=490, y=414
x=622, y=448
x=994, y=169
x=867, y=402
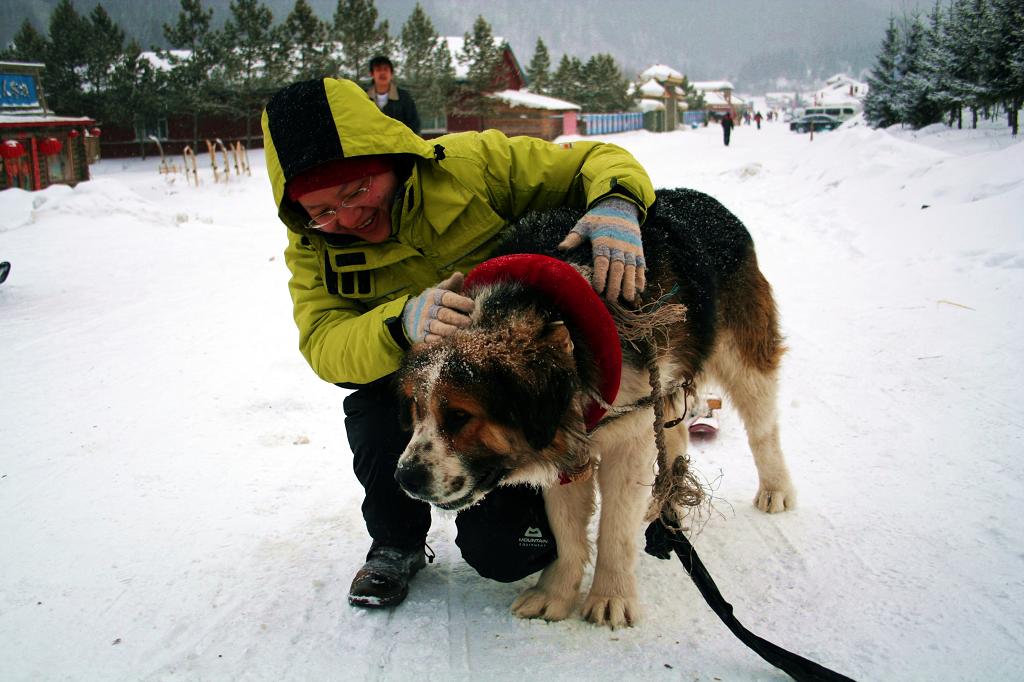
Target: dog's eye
x=455, y=419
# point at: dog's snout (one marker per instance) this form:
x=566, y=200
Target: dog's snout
x=413, y=476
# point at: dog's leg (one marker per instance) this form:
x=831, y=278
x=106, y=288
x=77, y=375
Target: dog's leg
x=754, y=393
x=625, y=476
x=569, y=508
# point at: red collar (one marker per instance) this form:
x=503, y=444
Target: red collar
x=573, y=295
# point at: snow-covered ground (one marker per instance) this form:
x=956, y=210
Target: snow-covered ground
x=176, y=494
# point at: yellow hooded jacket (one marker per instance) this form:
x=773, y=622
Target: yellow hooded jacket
x=463, y=188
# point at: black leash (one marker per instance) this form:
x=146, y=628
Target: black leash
x=662, y=541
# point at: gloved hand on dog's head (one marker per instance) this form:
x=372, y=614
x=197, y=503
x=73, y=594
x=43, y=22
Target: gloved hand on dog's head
x=613, y=228
x=437, y=312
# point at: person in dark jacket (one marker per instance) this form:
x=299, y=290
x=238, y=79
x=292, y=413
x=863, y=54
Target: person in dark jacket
x=394, y=101
x=727, y=124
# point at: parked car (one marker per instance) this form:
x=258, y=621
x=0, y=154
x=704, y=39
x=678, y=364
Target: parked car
x=819, y=121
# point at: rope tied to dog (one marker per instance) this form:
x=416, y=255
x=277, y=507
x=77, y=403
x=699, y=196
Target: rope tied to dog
x=675, y=491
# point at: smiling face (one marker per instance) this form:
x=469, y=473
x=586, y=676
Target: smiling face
x=367, y=215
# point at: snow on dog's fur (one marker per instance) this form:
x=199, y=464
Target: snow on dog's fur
x=502, y=402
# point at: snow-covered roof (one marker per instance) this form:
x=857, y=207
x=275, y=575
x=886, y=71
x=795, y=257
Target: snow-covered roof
x=841, y=89
x=712, y=85
x=525, y=98
x=160, y=63
x=661, y=72
x=41, y=119
x=713, y=97
x=646, y=105
x=652, y=88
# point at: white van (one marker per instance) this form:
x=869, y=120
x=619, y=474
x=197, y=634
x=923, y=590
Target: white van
x=843, y=113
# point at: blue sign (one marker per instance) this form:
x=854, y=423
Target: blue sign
x=18, y=90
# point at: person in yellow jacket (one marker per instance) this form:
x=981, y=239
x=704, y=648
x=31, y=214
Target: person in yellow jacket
x=382, y=225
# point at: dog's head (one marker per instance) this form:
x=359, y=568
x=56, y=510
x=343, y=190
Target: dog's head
x=499, y=402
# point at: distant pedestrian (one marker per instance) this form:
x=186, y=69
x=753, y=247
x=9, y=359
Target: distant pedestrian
x=394, y=101
x=758, y=117
x=727, y=124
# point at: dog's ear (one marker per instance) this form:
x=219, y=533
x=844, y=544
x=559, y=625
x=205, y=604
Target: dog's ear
x=402, y=387
x=404, y=412
x=536, y=400
x=540, y=421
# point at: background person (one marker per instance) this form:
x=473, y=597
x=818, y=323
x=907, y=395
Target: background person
x=394, y=101
x=727, y=124
x=381, y=227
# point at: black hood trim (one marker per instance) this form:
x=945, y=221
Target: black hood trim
x=297, y=114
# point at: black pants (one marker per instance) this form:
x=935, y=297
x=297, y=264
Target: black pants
x=505, y=537
x=377, y=441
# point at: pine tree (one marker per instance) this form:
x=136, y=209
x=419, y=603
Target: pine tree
x=306, y=39
x=426, y=65
x=484, y=59
x=29, y=45
x=1003, y=46
x=912, y=96
x=417, y=41
x=194, y=67
x=937, y=62
x=136, y=87
x=439, y=91
x=568, y=80
x=693, y=97
x=606, y=89
x=482, y=56
x=254, y=63
x=102, y=53
x=360, y=36
x=967, y=19
x=879, y=104
x=65, y=58
x=539, y=71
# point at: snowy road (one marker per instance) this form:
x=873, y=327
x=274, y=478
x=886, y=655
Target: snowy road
x=176, y=495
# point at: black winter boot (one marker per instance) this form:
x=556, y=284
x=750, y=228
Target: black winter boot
x=384, y=579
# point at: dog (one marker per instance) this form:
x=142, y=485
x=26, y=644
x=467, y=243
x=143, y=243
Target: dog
x=505, y=401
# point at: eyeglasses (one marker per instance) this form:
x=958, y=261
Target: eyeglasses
x=322, y=220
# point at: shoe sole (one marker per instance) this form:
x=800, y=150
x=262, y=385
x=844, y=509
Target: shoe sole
x=368, y=602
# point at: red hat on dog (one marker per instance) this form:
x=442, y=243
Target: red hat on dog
x=337, y=172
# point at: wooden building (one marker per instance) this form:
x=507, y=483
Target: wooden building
x=39, y=148
x=520, y=112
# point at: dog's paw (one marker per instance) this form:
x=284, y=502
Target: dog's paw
x=773, y=501
x=615, y=611
x=536, y=603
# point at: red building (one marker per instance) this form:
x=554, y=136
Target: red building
x=38, y=147
x=510, y=108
